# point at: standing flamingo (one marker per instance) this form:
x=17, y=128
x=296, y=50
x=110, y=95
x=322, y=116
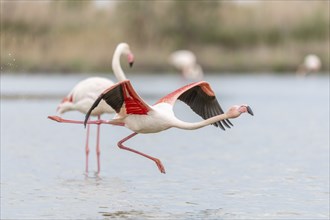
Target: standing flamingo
x=185, y=61
x=134, y=113
x=87, y=91
x=312, y=64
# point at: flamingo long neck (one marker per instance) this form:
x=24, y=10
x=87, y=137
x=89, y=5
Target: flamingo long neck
x=118, y=71
x=196, y=125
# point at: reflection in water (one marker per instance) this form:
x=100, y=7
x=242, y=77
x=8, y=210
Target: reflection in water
x=124, y=214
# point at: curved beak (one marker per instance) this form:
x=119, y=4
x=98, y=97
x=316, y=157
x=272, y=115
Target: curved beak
x=249, y=110
x=130, y=59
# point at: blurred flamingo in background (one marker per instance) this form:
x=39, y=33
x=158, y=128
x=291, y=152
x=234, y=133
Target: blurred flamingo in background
x=134, y=113
x=185, y=61
x=83, y=95
x=312, y=64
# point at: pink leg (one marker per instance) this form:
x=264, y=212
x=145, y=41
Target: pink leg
x=98, y=151
x=97, y=122
x=157, y=161
x=87, y=148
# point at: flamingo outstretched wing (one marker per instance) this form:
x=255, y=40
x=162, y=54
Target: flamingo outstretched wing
x=123, y=99
x=201, y=99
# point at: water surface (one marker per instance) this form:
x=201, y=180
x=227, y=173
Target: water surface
x=274, y=165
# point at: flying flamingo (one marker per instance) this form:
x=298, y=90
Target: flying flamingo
x=134, y=113
x=87, y=91
x=185, y=61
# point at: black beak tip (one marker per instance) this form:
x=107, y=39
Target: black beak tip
x=131, y=64
x=249, y=110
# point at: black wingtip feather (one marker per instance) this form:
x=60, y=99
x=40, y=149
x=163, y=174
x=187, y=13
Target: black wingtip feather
x=221, y=126
x=204, y=105
x=225, y=123
x=229, y=122
x=95, y=104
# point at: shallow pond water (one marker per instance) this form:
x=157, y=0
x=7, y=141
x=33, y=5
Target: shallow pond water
x=274, y=165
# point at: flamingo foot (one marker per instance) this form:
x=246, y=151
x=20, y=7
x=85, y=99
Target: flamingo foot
x=55, y=118
x=98, y=166
x=160, y=165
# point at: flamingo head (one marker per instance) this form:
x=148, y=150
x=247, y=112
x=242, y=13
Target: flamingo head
x=124, y=49
x=130, y=58
x=236, y=110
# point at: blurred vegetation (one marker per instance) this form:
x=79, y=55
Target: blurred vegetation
x=77, y=36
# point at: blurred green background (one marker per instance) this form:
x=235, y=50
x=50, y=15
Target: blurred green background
x=226, y=36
